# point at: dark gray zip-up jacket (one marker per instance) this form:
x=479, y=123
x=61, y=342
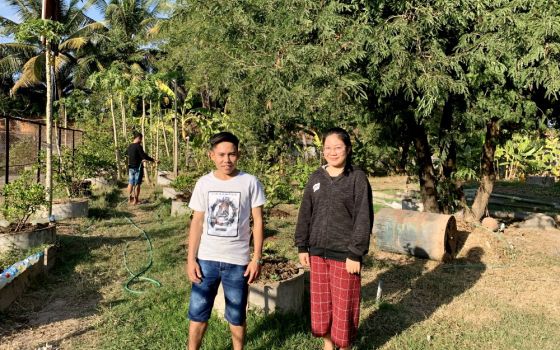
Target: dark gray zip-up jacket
x=336, y=215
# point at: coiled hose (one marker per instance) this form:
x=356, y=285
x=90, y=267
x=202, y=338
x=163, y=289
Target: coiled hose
x=138, y=276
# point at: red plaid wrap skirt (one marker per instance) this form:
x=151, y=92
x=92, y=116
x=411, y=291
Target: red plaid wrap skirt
x=335, y=301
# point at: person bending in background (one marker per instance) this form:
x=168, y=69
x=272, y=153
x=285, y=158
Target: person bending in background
x=332, y=235
x=136, y=156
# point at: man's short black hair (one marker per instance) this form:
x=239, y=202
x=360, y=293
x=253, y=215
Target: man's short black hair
x=136, y=134
x=224, y=136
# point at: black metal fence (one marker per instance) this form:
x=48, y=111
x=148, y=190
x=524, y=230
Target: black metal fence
x=21, y=142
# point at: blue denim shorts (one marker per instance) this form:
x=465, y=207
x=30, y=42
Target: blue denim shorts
x=135, y=176
x=235, y=288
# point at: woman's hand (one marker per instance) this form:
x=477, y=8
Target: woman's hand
x=304, y=259
x=353, y=267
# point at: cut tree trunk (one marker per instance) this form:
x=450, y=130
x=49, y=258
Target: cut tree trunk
x=167, y=152
x=123, y=115
x=143, y=122
x=175, y=135
x=62, y=107
x=426, y=172
x=157, y=148
x=115, y=138
x=488, y=173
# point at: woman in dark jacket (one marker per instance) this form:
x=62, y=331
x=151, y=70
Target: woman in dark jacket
x=332, y=235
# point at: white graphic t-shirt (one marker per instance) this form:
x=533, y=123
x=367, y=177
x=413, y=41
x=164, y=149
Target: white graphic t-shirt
x=227, y=208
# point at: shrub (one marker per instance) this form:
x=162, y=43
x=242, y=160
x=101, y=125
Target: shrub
x=22, y=198
x=185, y=182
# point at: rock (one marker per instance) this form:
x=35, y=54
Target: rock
x=491, y=224
x=4, y=223
x=540, y=221
x=412, y=204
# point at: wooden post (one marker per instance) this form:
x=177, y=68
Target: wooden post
x=175, y=137
x=7, y=168
x=73, y=148
x=39, y=154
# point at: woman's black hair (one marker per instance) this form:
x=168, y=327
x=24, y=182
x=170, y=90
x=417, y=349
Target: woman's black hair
x=136, y=134
x=345, y=137
x=224, y=136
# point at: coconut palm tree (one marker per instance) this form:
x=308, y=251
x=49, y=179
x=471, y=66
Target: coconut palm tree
x=72, y=60
x=132, y=28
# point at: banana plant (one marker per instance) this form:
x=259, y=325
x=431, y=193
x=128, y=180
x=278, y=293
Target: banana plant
x=518, y=155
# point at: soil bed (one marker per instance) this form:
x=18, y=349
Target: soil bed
x=25, y=228
x=276, y=269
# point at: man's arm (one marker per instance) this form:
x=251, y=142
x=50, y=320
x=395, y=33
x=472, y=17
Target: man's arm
x=195, y=231
x=254, y=267
x=144, y=155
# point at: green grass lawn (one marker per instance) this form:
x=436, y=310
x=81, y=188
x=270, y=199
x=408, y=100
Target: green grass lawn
x=472, y=303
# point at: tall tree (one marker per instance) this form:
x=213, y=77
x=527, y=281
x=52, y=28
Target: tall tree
x=273, y=64
x=26, y=59
x=132, y=27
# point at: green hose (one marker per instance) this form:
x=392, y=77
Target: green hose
x=134, y=276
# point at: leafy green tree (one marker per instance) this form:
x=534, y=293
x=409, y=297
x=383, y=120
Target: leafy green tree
x=450, y=73
x=277, y=66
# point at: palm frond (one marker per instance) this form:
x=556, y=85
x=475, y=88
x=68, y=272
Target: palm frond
x=10, y=65
x=7, y=26
x=24, y=50
x=101, y=5
x=26, y=10
x=73, y=44
x=61, y=62
x=31, y=74
x=89, y=29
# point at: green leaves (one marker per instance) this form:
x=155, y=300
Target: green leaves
x=22, y=198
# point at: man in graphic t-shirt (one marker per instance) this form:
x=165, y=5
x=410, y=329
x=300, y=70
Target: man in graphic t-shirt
x=223, y=202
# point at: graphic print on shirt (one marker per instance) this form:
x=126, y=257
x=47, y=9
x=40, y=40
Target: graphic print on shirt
x=223, y=213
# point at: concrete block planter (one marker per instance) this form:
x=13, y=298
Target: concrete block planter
x=170, y=193
x=180, y=207
x=27, y=239
x=24, y=272
x=283, y=296
x=164, y=178
x=74, y=208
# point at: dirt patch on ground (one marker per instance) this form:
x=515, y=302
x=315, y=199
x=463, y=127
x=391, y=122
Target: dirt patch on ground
x=402, y=183
x=518, y=270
